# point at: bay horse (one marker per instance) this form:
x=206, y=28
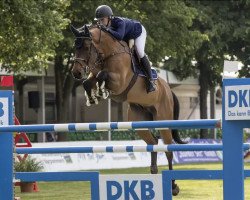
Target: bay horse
x=108, y=64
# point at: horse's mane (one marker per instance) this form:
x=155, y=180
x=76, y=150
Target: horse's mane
x=104, y=29
x=84, y=33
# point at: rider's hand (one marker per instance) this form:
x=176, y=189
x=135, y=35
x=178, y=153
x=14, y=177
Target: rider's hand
x=104, y=28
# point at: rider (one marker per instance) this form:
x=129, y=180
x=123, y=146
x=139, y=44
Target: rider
x=127, y=29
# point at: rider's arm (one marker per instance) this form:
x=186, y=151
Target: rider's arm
x=117, y=28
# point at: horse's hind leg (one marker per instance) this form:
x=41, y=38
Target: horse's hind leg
x=137, y=113
x=167, y=139
x=165, y=114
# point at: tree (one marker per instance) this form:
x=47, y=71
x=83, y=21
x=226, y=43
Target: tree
x=239, y=43
x=169, y=29
x=29, y=33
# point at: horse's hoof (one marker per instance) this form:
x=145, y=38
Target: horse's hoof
x=88, y=103
x=154, y=169
x=96, y=101
x=105, y=94
x=175, y=190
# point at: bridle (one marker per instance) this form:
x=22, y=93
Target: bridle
x=84, y=63
x=99, y=63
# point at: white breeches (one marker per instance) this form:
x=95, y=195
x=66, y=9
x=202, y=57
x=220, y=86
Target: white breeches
x=140, y=43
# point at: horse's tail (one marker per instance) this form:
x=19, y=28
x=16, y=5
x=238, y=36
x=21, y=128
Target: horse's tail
x=175, y=133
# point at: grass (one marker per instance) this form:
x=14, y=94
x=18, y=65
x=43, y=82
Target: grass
x=189, y=190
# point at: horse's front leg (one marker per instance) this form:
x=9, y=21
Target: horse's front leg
x=102, y=79
x=89, y=86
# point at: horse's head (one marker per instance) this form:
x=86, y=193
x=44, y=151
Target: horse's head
x=87, y=58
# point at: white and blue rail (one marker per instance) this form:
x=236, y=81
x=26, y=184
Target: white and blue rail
x=105, y=126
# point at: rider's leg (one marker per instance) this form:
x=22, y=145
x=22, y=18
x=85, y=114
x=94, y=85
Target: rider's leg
x=140, y=46
x=146, y=64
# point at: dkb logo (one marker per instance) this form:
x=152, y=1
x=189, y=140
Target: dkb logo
x=237, y=102
x=130, y=186
x=240, y=98
x=115, y=190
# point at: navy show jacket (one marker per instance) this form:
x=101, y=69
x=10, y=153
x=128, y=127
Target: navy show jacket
x=124, y=28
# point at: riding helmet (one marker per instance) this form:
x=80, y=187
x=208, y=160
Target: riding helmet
x=103, y=11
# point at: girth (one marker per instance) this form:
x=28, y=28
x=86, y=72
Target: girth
x=123, y=96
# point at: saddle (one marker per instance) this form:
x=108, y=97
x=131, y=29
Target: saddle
x=138, y=68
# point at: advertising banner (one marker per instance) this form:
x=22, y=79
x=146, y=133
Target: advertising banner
x=198, y=156
x=96, y=161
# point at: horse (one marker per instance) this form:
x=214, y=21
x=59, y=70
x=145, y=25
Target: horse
x=106, y=65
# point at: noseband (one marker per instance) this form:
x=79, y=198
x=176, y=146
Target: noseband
x=100, y=59
x=83, y=61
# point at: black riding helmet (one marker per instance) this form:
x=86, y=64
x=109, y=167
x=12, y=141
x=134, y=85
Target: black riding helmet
x=103, y=11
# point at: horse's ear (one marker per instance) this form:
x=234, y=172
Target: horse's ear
x=86, y=31
x=74, y=31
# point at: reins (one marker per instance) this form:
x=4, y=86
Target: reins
x=114, y=53
x=100, y=59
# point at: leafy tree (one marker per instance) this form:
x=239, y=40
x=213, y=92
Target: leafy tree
x=239, y=43
x=29, y=32
x=168, y=24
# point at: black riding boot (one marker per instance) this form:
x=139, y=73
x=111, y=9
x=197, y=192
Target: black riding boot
x=150, y=81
